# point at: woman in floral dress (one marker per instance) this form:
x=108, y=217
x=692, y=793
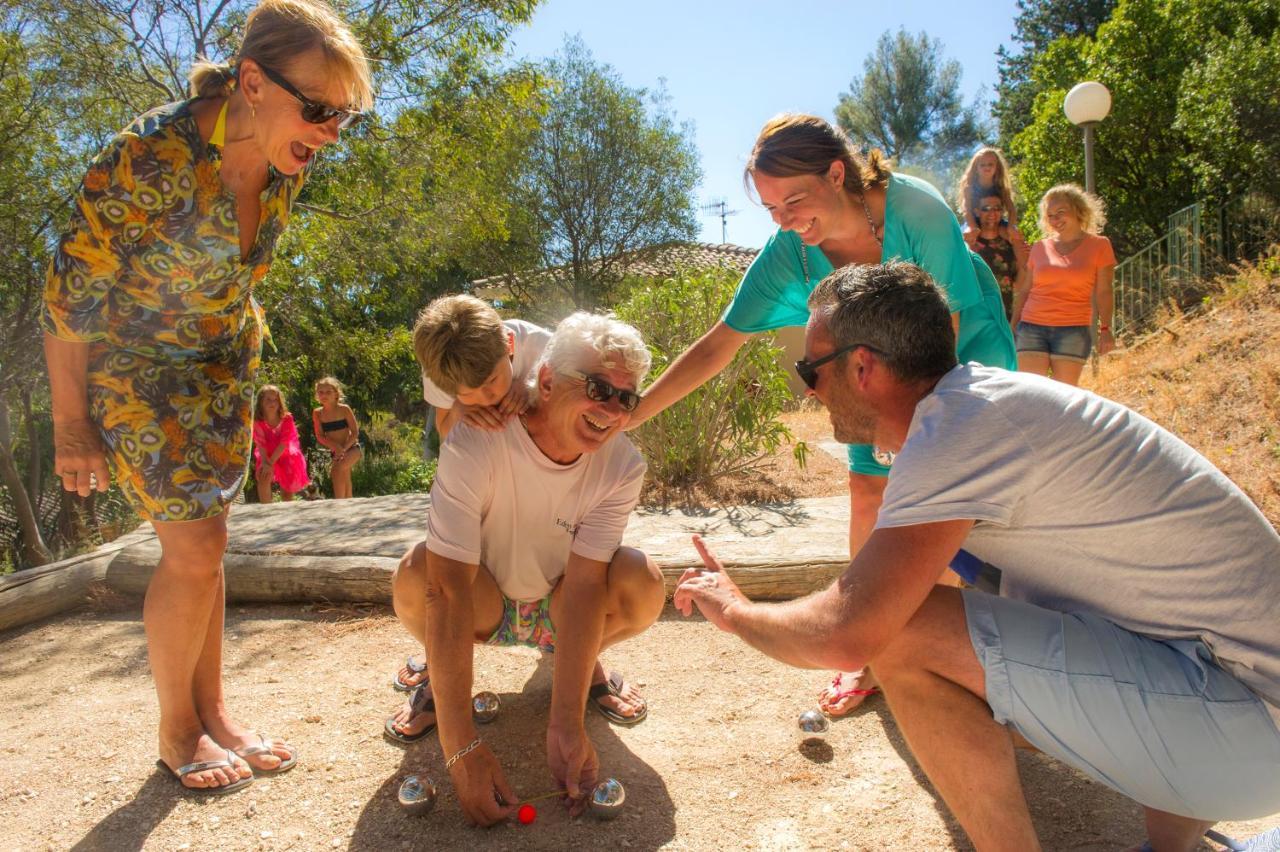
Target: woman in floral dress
x=153, y=338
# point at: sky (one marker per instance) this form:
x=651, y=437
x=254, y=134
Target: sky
x=731, y=64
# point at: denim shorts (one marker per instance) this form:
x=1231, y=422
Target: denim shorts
x=1068, y=342
x=1158, y=721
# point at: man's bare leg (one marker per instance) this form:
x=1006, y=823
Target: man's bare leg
x=409, y=599
x=937, y=693
x=1168, y=832
x=634, y=600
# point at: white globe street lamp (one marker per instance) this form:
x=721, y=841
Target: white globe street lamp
x=1086, y=105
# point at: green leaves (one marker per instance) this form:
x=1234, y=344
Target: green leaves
x=1194, y=90
x=728, y=425
x=907, y=102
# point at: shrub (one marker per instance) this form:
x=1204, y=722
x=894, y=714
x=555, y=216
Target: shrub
x=730, y=424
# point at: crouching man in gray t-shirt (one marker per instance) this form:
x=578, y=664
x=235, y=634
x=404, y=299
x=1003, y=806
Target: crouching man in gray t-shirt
x=1136, y=636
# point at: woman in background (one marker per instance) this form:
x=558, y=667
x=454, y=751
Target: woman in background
x=1069, y=286
x=277, y=452
x=336, y=429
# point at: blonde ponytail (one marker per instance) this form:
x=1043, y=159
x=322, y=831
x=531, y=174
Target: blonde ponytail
x=211, y=79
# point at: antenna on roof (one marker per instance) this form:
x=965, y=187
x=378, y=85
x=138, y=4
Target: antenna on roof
x=718, y=207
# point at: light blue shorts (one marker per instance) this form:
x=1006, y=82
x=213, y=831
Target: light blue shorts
x=1157, y=721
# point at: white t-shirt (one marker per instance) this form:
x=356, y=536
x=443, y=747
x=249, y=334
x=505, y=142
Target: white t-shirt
x=499, y=502
x=530, y=340
x=1088, y=506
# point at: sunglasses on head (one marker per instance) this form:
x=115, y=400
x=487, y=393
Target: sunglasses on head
x=808, y=370
x=598, y=390
x=313, y=112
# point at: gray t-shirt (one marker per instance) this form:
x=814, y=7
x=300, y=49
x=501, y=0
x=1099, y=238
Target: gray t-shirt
x=1088, y=506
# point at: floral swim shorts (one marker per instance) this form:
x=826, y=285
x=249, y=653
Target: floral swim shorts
x=526, y=623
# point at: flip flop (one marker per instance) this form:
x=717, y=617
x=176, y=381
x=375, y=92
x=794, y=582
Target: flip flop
x=420, y=701
x=264, y=747
x=614, y=686
x=1268, y=841
x=414, y=666
x=200, y=766
x=842, y=694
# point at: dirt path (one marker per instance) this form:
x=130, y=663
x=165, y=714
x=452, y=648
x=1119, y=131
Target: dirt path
x=716, y=765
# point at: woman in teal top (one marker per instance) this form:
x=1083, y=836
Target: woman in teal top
x=835, y=207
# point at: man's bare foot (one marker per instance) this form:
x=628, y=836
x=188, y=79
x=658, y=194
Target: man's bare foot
x=415, y=716
x=179, y=750
x=628, y=702
x=412, y=673
x=238, y=738
x=846, y=691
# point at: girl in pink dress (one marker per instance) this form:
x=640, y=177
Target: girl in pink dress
x=277, y=455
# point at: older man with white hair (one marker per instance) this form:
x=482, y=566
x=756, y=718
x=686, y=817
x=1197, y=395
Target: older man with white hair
x=524, y=547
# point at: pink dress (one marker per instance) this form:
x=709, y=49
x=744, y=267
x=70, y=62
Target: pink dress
x=291, y=467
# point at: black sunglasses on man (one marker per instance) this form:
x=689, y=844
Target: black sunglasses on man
x=808, y=370
x=598, y=390
x=313, y=112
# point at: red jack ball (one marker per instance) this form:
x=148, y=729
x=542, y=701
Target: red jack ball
x=527, y=814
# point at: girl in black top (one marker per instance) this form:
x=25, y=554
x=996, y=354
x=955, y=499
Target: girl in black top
x=336, y=429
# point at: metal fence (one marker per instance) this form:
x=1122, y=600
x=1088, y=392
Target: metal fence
x=1203, y=240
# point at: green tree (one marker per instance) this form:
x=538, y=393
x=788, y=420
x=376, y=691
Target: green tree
x=1037, y=25
x=1229, y=113
x=908, y=104
x=1146, y=167
x=609, y=172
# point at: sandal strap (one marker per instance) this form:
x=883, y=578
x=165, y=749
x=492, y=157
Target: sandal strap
x=421, y=700
x=204, y=765
x=414, y=666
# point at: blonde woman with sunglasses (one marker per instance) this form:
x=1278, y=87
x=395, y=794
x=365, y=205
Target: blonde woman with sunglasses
x=153, y=339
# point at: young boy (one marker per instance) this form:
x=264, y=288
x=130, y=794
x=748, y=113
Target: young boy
x=475, y=365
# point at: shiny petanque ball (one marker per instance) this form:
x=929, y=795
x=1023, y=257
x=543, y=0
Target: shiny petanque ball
x=608, y=798
x=485, y=707
x=417, y=795
x=813, y=724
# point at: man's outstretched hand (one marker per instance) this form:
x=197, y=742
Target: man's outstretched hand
x=709, y=589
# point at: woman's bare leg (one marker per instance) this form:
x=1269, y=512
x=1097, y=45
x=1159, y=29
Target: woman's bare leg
x=1034, y=362
x=176, y=615
x=1067, y=371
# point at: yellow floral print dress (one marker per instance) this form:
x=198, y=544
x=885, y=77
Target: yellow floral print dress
x=149, y=273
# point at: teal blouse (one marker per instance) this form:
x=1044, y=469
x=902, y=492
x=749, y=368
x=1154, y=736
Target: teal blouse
x=919, y=228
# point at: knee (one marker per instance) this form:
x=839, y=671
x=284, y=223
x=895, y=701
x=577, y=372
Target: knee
x=409, y=582
x=934, y=640
x=636, y=586
x=195, y=549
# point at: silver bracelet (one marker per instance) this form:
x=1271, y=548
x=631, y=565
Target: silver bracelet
x=462, y=753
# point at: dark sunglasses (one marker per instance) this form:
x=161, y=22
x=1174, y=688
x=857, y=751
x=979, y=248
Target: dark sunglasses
x=598, y=390
x=989, y=209
x=313, y=112
x=808, y=370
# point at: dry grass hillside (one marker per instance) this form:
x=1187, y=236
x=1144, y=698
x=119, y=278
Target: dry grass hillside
x=1213, y=378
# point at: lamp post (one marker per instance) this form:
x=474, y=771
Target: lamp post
x=1086, y=105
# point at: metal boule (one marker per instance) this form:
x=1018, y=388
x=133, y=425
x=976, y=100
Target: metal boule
x=607, y=798
x=417, y=795
x=485, y=707
x=813, y=723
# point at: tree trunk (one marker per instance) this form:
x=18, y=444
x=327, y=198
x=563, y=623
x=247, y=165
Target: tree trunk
x=35, y=472
x=34, y=551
